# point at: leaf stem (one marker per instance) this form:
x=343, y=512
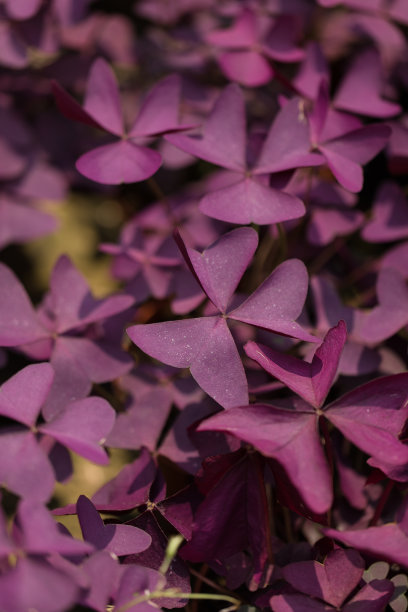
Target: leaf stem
x=381, y=503
x=175, y=594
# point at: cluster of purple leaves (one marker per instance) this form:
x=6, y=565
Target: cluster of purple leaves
x=253, y=362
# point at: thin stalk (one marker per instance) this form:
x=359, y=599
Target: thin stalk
x=283, y=242
x=325, y=255
x=174, y=594
x=197, y=586
x=287, y=521
x=210, y=583
x=156, y=189
x=329, y=452
x=381, y=503
x=266, y=508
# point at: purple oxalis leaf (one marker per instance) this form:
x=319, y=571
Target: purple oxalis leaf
x=205, y=344
x=387, y=541
x=126, y=160
x=359, y=92
x=116, y=538
x=332, y=581
x=312, y=381
x=371, y=416
x=83, y=427
x=223, y=142
x=33, y=584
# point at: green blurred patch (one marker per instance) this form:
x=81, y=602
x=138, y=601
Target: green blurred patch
x=84, y=222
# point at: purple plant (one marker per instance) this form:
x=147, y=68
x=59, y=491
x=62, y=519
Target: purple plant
x=212, y=456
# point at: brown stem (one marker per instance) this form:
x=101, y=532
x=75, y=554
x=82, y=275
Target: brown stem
x=325, y=255
x=329, y=452
x=265, y=506
x=211, y=583
x=197, y=586
x=381, y=503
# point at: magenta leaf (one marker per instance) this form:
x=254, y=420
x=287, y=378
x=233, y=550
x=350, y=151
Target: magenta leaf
x=83, y=426
x=18, y=320
x=359, y=92
x=221, y=266
x=40, y=533
x=143, y=421
x=312, y=381
x=249, y=201
x=19, y=405
x=332, y=581
x=372, y=597
x=223, y=139
x=234, y=497
x=33, y=584
x=34, y=477
x=385, y=542
x=277, y=302
x=159, y=112
x=287, y=144
x=290, y=437
x=116, y=538
x=130, y=488
x=372, y=417
x=205, y=345
x=102, y=100
x=389, y=219
x=384, y=320
x=72, y=302
x=119, y=162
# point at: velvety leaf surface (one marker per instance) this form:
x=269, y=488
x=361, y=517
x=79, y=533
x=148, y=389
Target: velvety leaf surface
x=71, y=108
x=223, y=139
x=72, y=302
x=312, y=381
x=100, y=361
x=220, y=267
x=137, y=580
x=103, y=573
x=332, y=581
x=346, y=153
x=248, y=68
x=372, y=597
x=142, y=423
x=389, y=316
x=159, y=112
x=32, y=584
x=116, y=538
x=18, y=321
x=32, y=476
x=102, y=100
x=389, y=219
x=119, y=162
x=287, y=144
x=290, y=437
x=22, y=396
x=386, y=542
x=277, y=302
x=130, y=488
x=359, y=91
x=249, y=201
x=231, y=517
x=373, y=415
x=21, y=223
x=83, y=427
x=40, y=534
x=206, y=346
